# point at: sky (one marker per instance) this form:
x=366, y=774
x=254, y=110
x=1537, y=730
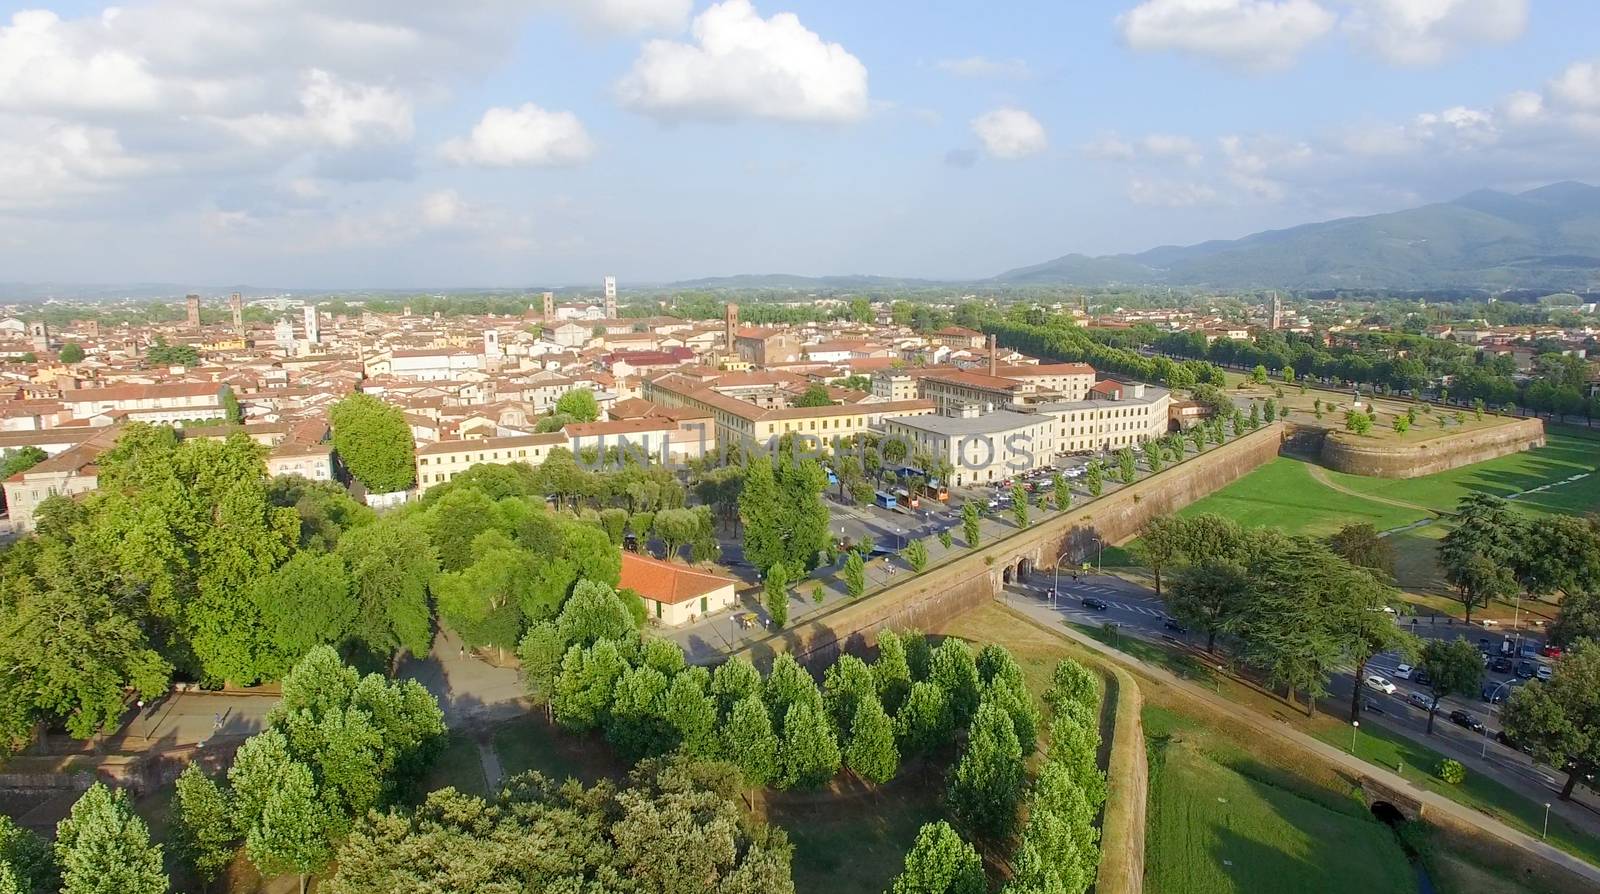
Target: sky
x=525, y=143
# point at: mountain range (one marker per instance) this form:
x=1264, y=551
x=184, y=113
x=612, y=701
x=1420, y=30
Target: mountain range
x=1546, y=238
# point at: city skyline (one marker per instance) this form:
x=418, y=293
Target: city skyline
x=658, y=140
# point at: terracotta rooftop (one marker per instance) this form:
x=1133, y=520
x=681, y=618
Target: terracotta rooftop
x=668, y=582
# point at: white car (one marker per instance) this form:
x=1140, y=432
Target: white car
x=1379, y=684
x=1403, y=671
x=1543, y=674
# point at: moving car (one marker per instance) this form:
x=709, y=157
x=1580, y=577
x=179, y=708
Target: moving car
x=1495, y=693
x=1096, y=603
x=1373, y=681
x=1403, y=672
x=1462, y=718
x=1173, y=625
x=1421, y=700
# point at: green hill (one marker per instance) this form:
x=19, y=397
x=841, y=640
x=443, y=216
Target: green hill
x=1544, y=238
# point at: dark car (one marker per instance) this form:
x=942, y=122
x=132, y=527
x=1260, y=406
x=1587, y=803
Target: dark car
x=1509, y=742
x=1483, y=644
x=1501, y=665
x=1420, y=677
x=1495, y=693
x=1173, y=625
x=1526, y=670
x=1462, y=718
x=1095, y=603
x=881, y=551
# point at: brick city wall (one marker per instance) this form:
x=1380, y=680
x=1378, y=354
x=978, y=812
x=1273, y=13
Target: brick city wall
x=1344, y=452
x=929, y=599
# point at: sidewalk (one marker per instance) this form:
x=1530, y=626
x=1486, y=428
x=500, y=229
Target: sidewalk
x=1432, y=802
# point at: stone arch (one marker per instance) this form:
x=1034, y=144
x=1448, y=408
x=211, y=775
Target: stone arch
x=1024, y=569
x=1387, y=813
x=1005, y=574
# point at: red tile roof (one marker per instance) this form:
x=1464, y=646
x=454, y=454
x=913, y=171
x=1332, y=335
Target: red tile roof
x=668, y=582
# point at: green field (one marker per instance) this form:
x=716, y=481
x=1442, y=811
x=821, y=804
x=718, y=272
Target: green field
x=1568, y=452
x=1284, y=495
x=1219, y=823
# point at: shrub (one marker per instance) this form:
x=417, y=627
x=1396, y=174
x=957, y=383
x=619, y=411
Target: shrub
x=1452, y=772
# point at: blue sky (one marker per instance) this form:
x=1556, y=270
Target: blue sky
x=344, y=143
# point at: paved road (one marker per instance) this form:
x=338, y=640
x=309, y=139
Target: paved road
x=1137, y=611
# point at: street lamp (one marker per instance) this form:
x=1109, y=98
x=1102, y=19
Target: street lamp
x=1546, y=832
x=1355, y=727
x=1057, y=587
x=1100, y=550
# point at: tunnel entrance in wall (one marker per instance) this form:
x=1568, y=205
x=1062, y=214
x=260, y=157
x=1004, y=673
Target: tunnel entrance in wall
x=1387, y=813
x=1005, y=575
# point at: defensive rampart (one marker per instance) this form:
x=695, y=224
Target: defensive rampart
x=1346, y=452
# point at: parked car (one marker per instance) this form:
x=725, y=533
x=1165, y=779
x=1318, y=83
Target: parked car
x=1420, y=677
x=1380, y=684
x=1462, y=718
x=1544, y=673
x=1420, y=700
x=1403, y=672
x=1501, y=665
x=1095, y=603
x=1526, y=670
x=1483, y=644
x=1529, y=650
x=1550, y=651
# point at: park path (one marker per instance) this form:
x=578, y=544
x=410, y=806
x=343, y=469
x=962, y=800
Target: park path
x=1321, y=475
x=492, y=771
x=1267, y=726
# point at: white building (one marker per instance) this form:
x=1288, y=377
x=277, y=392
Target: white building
x=980, y=447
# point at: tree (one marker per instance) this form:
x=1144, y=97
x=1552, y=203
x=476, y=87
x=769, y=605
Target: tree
x=676, y=528
x=845, y=684
x=939, y=862
x=1063, y=492
x=1209, y=596
x=951, y=667
x=693, y=714
x=201, y=824
x=1127, y=465
x=1560, y=719
x=374, y=443
x=1158, y=545
x=391, y=563
x=855, y=575
x=71, y=352
x=1019, y=505
x=775, y=593
x=916, y=556
x=891, y=673
x=815, y=395
x=871, y=752
x=231, y=411
x=1360, y=545
x=303, y=603
x=1094, y=479
x=540, y=652
x=594, y=612
x=579, y=404
x=945, y=538
x=1453, y=668
x=1371, y=631
x=969, y=523
x=749, y=743
x=1578, y=618
x=1476, y=555
x=1401, y=425
x=1357, y=422
x=103, y=847
x=28, y=857
x=1152, y=455
x=808, y=754
x=1258, y=376
x=293, y=829
x=986, y=785
x=925, y=721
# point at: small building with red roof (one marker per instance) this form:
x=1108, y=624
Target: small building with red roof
x=673, y=593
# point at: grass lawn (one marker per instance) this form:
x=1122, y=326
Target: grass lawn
x=1282, y=494
x=532, y=743
x=459, y=766
x=1389, y=749
x=1212, y=828
x=856, y=843
x=1568, y=452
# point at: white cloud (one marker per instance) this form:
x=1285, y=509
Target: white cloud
x=1109, y=147
x=983, y=67
x=1250, y=34
x=44, y=162
x=1166, y=145
x=741, y=65
x=1170, y=194
x=332, y=113
x=521, y=137
x=1578, y=87
x=1425, y=32
x=628, y=16
x=1010, y=133
x=443, y=208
